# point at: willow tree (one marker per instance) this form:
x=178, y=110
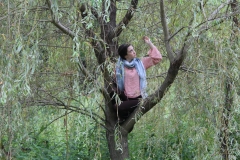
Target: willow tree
x=100, y=24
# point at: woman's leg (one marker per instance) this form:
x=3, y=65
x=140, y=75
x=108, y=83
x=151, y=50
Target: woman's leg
x=126, y=105
x=126, y=108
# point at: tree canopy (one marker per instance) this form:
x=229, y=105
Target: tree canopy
x=57, y=59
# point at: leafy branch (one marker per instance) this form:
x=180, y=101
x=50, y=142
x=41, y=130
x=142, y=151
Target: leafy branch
x=175, y=66
x=126, y=19
x=58, y=24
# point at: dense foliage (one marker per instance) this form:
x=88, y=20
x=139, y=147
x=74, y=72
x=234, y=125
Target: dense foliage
x=50, y=109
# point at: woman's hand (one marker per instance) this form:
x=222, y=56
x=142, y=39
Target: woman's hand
x=148, y=41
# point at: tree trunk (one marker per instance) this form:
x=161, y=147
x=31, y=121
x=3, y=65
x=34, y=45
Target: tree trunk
x=226, y=114
x=226, y=118
x=118, y=152
x=116, y=135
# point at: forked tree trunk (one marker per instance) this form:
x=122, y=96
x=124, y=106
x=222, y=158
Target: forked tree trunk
x=117, y=137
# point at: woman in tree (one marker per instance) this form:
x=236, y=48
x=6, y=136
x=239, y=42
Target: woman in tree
x=131, y=77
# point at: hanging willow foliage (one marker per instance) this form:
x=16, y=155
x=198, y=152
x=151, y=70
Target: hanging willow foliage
x=57, y=59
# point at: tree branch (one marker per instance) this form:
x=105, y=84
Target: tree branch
x=215, y=12
x=62, y=105
x=175, y=64
x=58, y=24
x=186, y=43
x=166, y=32
x=176, y=33
x=84, y=70
x=128, y=16
x=97, y=44
x=213, y=16
x=156, y=97
x=52, y=100
x=45, y=127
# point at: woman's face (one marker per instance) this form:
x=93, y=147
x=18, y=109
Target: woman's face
x=131, y=54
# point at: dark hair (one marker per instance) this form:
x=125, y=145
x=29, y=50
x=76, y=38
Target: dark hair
x=122, y=50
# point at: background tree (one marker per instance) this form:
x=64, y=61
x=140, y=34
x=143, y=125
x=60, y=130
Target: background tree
x=49, y=51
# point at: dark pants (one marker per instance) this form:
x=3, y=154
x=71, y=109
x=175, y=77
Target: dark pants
x=127, y=106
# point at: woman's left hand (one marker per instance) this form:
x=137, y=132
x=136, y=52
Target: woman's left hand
x=146, y=40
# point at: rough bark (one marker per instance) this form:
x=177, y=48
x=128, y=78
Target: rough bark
x=107, y=47
x=109, y=31
x=225, y=120
x=120, y=152
x=226, y=113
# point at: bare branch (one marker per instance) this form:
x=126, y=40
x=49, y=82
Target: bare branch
x=215, y=12
x=64, y=29
x=51, y=123
x=90, y=115
x=186, y=43
x=214, y=16
x=157, y=76
x=58, y=24
x=166, y=32
x=192, y=70
x=176, y=33
x=85, y=112
x=128, y=16
x=62, y=105
x=52, y=100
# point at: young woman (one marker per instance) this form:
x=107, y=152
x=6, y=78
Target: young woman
x=131, y=77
